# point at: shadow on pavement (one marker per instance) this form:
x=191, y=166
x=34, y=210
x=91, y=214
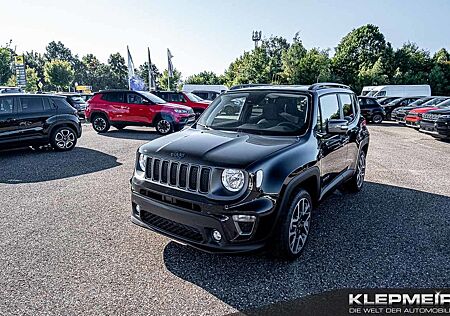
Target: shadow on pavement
x=28, y=166
x=382, y=237
x=147, y=134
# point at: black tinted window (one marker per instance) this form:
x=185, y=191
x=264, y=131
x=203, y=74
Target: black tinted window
x=6, y=105
x=114, y=97
x=329, y=108
x=203, y=95
x=31, y=104
x=176, y=97
x=134, y=98
x=61, y=103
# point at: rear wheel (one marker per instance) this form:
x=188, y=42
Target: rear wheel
x=100, y=123
x=356, y=182
x=63, y=139
x=377, y=118
x=293, y=227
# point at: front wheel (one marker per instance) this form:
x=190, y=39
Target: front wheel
x=63, y=139
x=100, y=123
x=293, y=227
x=164, y=126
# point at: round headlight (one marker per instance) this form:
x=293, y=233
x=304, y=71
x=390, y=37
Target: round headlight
x=233, y=179
x=142, y=161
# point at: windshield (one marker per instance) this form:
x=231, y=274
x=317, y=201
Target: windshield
x=444, y=104
x=152, y=97
x=78, y=99
x=420, y=101
x=434, y=101
x=261, y=112
x=193, y=97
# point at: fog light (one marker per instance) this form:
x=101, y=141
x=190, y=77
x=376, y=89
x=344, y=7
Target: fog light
x=138, y=210
x=217, y=236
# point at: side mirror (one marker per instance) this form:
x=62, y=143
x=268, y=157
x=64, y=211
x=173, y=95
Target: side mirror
x=337, y=126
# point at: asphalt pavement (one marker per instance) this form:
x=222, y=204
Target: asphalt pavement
x=67, y=246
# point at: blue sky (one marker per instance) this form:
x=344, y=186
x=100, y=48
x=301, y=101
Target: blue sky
x=209, y=34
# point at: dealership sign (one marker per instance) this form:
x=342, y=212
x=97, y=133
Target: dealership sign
x=19, y=65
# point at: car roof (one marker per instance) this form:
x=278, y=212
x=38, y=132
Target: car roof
x=319, y=88
x=31, y=95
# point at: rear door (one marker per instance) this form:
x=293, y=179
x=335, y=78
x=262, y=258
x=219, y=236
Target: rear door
x=32, y=115
x=9, y=127
x=117, y=107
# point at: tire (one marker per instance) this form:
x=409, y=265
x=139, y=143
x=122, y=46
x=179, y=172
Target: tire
x=356, y=182
x=64, y=138
x=290, y=237
x=164, y=126
x=100, y=123
x=377, y=118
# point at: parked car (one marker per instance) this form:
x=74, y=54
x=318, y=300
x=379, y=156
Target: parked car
x=86, y=96
x=38, y=119
x=389, y=107
x=241, y=183
x=121, y=108
x=77, y=102
x=428, y=123
x=6, y=89
x=184, y=98
x=400, y=113
x=371, y=109
x=400, y=91
x=443, y=126
x=204, y=87
x=206, y=95
x=386, y=100
x=414, y=117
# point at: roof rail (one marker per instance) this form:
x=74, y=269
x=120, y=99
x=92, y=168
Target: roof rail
x=324, y=85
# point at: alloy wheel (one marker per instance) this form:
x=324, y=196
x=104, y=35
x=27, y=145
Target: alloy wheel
x=99, y=124
x=361, y=170
x=377, y=119
x=299, y=226
x=65, y=139
x=163, y=126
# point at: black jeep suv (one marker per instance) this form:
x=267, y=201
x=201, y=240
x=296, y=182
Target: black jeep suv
x=371, y=109
x=39, y=119
x=237, y=183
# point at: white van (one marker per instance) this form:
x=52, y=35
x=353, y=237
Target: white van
x=401, y=91
x=367, y=89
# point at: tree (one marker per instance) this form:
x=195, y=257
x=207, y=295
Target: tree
x=291, y=60
x=32, y=80
x=58, y=73
x=361, y=48
x=412, y=65
x=314, y=67
x=57, y=50
x=36, y=61
x=274, y=47
x=118, y=70
x=205, y=77
x=5, y=65
x=439, y=77
x=143, y=73
x=175, y=81
x=373, y=76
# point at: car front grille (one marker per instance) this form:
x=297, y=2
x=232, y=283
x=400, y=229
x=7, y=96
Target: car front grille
x=430, y=117
x=177, y=174
x=171, y=227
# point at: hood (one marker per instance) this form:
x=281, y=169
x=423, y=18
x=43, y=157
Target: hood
x=176, y=106
x=216, y=148
x=423, y=110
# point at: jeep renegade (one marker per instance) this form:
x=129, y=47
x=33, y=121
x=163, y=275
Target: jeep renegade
x=241, y=182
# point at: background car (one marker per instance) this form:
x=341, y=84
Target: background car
x=389, y=107
x=38, y=119
x=184, y=98
x=6, y=89
x=414, y=117
x=206, y=95
x=77, y=102
x=386, y=100
x=371, y=109
x=429, y=119
x=121, y=108
x=400, y=113
x=443, y=126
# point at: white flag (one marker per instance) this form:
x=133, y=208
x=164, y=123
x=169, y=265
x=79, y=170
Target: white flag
x=170, y=65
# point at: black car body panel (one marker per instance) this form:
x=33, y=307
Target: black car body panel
x=370, y=107
x=166, y=199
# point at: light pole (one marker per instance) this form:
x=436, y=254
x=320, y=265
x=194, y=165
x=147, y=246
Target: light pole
x=256, y=37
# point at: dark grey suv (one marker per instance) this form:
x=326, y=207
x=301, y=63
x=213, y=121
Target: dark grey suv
x=248, y=180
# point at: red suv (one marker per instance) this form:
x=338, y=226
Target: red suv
x=184, y=98
x=121, y=108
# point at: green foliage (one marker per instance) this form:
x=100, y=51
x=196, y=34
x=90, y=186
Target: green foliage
x=119, y=72
x=58, y=73
x=143, y=73
x=175, y=81
x=32, y=80
x=205, y=77
x=5, y=65
x=412, y=65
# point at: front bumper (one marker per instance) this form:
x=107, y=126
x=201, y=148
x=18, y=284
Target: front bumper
x=174, y=218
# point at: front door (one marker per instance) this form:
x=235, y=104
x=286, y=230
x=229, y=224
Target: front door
x=332, y=147
x=32, y=115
